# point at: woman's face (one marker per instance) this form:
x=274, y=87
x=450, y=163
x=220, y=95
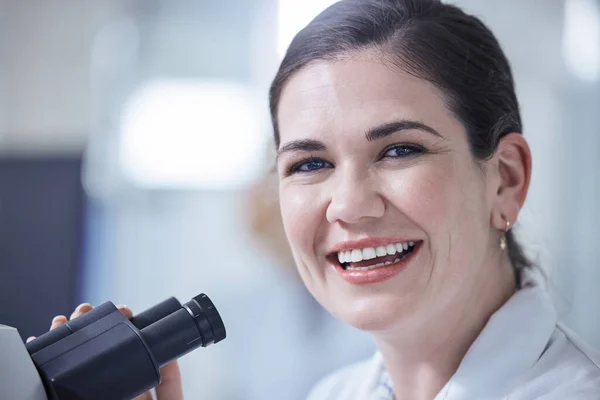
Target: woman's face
x=386, y=210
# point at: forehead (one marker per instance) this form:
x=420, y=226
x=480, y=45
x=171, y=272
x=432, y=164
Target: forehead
x=355, y=94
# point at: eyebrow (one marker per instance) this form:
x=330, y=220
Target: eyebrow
x=301, y=145
x=376, y=133
x=385, y=130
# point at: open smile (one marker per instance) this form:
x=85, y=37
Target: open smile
x=374, y=264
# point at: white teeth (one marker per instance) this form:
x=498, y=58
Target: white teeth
x=368, y=253
x=348, y=256
x=380, y=251
x=356, y=255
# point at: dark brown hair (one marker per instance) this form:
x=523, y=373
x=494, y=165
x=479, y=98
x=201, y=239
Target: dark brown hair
x=433, y=41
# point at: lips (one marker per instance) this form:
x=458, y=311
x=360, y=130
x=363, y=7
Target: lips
x=376, y=269
x=369, y=253
x=372, y=259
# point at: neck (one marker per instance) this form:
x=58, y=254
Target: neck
x=421, y=362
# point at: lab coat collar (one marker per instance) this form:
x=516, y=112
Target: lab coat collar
x=508, y=347
x=511, y=342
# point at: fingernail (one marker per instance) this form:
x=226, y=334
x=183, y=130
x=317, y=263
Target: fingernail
x=58, y=317
x=56, y=321
x=29, y=339
x=79, y=307
x=122, y=306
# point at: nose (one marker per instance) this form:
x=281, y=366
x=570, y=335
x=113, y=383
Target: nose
x=354, y=199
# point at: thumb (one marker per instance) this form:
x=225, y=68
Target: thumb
x=170, y=387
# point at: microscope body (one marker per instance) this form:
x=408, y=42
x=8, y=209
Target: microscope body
x=103, y=355
x=19, y=379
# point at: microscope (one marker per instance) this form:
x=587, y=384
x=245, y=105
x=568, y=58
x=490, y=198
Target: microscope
x=102, y=354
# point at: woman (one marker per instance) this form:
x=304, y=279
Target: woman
x=402, y=170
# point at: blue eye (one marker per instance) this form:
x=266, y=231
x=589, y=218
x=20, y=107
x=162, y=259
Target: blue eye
x=309, y=165
x=403, y=150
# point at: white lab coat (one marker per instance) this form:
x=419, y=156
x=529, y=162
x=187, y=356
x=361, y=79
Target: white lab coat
x=523, y=353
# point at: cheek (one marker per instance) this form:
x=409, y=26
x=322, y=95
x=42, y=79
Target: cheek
x=300, y=212
x=423, y=194
x=439, y=198
x=302, y=215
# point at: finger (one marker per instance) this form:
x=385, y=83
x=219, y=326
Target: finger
x=81, y=309
x=126, y=311
x=58, y=321
x=29, y=339
x=170, y=387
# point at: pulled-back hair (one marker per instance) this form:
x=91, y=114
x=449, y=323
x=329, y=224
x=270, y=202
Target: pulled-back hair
x=433, y=41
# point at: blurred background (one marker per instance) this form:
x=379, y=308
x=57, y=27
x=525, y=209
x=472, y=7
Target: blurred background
x=134, y=148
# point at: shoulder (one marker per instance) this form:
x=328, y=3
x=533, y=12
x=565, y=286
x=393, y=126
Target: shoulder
x=347, y=383
x=568, y=368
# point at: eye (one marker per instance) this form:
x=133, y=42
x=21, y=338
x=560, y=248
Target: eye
x=403, y=150
x=308, y=165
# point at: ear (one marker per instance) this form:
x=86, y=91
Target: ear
x=513, y=160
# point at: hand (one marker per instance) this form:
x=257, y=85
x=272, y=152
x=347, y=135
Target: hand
x=170, y=387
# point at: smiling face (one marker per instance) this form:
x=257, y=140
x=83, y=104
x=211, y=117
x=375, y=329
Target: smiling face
x=371, y=157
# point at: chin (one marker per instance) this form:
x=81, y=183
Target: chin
x=374, y=314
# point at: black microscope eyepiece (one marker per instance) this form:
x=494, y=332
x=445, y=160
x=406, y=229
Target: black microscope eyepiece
x=103, y=355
